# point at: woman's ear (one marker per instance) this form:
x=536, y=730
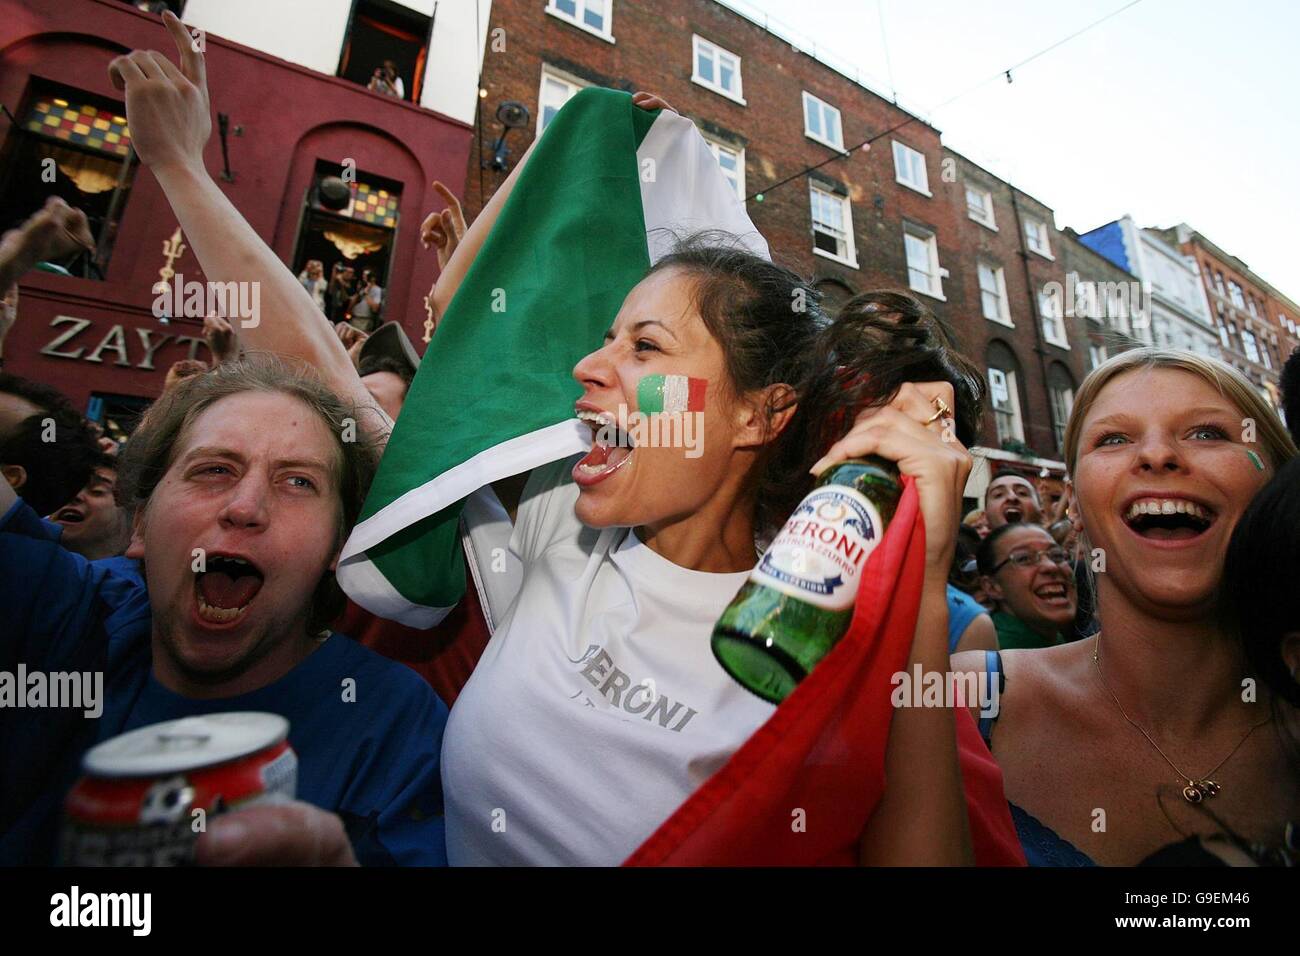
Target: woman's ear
x=1072, y=508
x=763, y=414
x=991, y=587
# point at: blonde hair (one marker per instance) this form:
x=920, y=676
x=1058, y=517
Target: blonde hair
x=1274, y=440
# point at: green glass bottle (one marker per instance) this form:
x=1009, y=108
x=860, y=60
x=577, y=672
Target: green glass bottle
x=798, y=601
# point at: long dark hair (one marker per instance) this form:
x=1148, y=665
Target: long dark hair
x=773, y=330
x=1258, y=597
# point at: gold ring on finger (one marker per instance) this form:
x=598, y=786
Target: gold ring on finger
x=943, y=410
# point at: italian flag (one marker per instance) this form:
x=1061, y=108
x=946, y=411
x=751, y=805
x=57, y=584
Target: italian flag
x=671, y=394
x=606, y=193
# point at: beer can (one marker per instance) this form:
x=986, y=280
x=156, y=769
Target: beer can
x=146, y=795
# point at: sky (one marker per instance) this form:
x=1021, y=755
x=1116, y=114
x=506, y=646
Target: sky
x=1172, y=111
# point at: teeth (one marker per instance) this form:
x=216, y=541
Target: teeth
x=598, y=418
x=218, y=615
x=1166, y=506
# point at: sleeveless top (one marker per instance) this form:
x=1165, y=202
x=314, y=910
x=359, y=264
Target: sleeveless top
x=1043, y=846
x=962, y=609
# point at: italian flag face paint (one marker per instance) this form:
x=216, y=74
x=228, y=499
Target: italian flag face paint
x=670, y=393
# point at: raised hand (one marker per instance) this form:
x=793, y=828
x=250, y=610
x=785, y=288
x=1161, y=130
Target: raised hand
x=167, y=106
x=650, y=101
x=52, y=232
x=444, y=230
x=923, y=445
x=221, y=338
x=182, y=369
x=352, y=338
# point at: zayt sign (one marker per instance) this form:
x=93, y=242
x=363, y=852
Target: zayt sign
x=117, y=346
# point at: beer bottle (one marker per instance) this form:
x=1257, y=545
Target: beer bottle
x=798, y=601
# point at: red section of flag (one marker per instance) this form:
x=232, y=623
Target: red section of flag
x=695, y=394
x=823, y=750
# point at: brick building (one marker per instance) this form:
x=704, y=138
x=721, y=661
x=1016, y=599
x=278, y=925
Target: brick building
x=1005, y=274
x=283, y=121
x=896, y=216
x=1256, y=325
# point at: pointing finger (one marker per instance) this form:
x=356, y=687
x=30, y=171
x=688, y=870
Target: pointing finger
x=192, y=65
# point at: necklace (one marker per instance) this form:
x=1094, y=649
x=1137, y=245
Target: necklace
x=1196, y=789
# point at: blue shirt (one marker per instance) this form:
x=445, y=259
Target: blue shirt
x=962, y=609
x=373, y=760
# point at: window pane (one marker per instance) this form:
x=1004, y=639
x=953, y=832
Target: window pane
x=990, y=294
x=833, y=126
x=594, y=14
x=812, y=117
x=567, y=6
x=829, y=229
x=726, y=75
x=918, y=263
x=704, y=66
x=555, y=93
x=918, y=256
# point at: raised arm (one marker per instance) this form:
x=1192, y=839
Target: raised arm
x=921, y=818
x=170, y=118
x=453, y=273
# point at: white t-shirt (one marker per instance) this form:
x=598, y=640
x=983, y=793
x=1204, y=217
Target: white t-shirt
x=597, y=707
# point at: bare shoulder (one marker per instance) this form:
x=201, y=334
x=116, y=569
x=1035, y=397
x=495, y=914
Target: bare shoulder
x=1036, y=682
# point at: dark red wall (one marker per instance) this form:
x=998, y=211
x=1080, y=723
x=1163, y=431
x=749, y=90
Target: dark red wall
x=291, y=117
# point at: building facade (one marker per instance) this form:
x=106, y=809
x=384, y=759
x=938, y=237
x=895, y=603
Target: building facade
x=895, y=216
x=1256, y=332
x=1178, y=312
x=280, y=129
x=1016, y=326
x=1106, y=299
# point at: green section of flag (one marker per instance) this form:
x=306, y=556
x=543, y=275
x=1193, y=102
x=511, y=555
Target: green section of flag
x=650, y=394
x=568, y=246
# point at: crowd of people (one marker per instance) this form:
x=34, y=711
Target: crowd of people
x=1139, y=620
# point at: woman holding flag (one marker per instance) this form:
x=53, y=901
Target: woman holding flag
x=597, y=707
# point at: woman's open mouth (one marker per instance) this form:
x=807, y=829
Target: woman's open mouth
x=611, y=449
x=225, y=588
x=1055, y=594
x=1168, y=519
